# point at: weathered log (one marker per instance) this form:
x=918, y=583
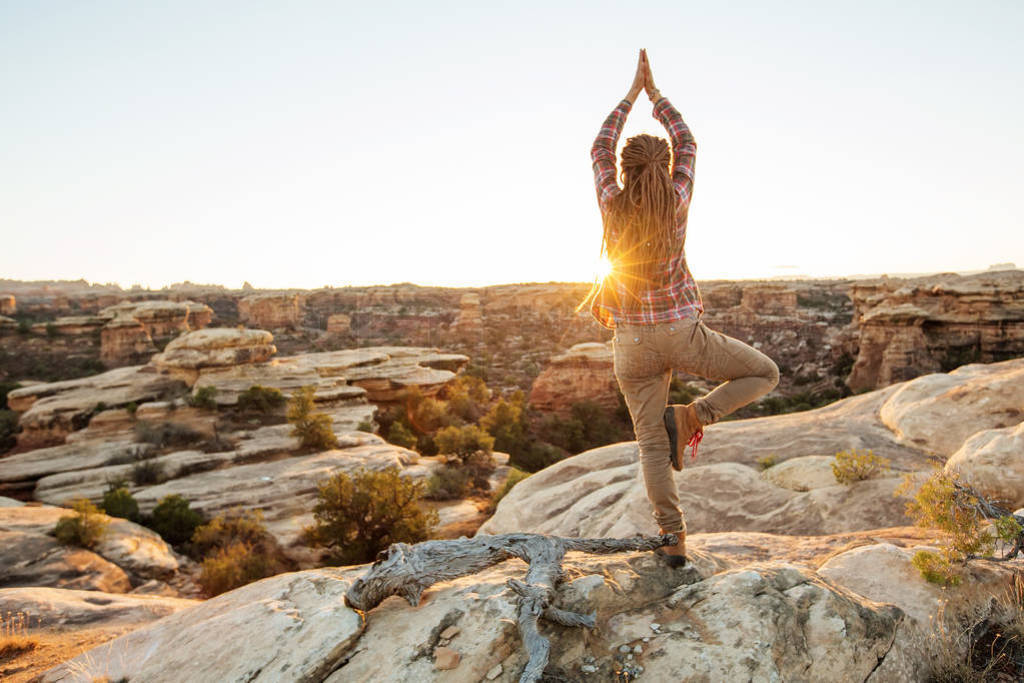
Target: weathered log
x=408, y=570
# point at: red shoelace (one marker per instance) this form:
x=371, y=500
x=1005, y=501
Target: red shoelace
x=694, y=440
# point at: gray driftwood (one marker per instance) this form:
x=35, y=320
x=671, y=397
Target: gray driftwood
x=408, y=570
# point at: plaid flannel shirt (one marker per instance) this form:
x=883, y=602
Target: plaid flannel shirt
x=679, y=298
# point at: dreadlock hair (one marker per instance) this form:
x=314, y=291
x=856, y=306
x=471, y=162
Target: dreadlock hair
x=639, y=220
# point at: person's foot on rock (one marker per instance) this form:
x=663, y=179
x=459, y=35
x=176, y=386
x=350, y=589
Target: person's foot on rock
x=684, y=429
x=675, y=555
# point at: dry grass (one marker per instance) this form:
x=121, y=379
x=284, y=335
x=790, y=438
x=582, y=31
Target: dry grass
x=986, y=644
x=14, y=636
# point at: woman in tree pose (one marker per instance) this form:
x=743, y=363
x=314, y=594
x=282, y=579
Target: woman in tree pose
x=652, y=302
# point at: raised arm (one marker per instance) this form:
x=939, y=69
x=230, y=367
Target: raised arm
x=684, y=147
x=602, y=153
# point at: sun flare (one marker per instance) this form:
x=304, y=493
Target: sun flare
x=603, y=268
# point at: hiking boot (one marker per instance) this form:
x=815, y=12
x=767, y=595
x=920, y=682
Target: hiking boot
x=684, y=429
x=675, y=555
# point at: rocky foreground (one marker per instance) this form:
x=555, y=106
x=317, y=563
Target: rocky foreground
x=792, y=578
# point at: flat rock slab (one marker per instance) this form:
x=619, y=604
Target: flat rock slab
x=291, y=627
x=63, y=607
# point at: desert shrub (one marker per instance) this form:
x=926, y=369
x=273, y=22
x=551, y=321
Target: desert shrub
x=236, y=549
x=84, y=528
x=506, y=422
x=119, y=502
x=131, y=407
x=174, y=519
x=944, y=502
x=204, y=398
x=448, y=483
x=854, y=465
x=260, y=399
x=147, y=472
x=463, y=442
x=8, y=428
x=588, y=426
x=767, y=461
x=400, y=435
x=166, y=434
x=514, y=477
x=313, y=429
x=365, y=426
x=357, y=516
x=467, y=397
x=5, y=388
x=536, y=456
x=52, y=330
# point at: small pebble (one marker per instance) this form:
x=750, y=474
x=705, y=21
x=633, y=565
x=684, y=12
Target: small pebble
x=655, y=626
x=494, y=672
x=637, y=649
x=624, y=648
x=646, y=639
x=588, y=669
x=450, y=632
x=589, y=659
x=629, y=656
x=446, y=658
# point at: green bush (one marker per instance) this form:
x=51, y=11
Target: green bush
x=853, y=466
x=400, y=435
x=131, y=407
x=536, y=456
x=236, y=549
x=313, y=429
x=52, y=330
x=119, y=502
x=174, y=519
x=588, y=426
x=467, y=397
x=8, y=429
x=365, y=426
x=448, y=483
x=358, y=516
x=204, y=398
x=506, y=422
x=944, y=502
x=260, y=399
x=463, y=442
x=84, y=528
x=767, y=462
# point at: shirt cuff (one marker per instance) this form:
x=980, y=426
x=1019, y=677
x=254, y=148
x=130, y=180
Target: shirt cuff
x=625, y=103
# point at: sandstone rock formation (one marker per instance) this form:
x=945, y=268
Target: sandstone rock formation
x=991, y=461
x=721, y=618
x=51, y=411
x=339, y=323
x=127, y=556
x=911, y=327
x=470, y=324
x=600, y=492
x=583, y=373
x=187, y=355
x=66, y=609
x=8, y=304
x=272, y=311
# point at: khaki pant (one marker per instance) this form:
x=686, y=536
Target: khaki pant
x=645, y=356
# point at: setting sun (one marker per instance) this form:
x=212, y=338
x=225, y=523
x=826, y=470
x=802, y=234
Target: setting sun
x=603, y=268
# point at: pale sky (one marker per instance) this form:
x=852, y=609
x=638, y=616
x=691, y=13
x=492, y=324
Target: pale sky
x=304, y=144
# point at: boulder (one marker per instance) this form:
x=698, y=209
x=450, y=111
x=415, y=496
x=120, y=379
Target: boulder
x=136, y=550
x=937, y=413
x=991, y=462
x=214, y=347
x=288, y=627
